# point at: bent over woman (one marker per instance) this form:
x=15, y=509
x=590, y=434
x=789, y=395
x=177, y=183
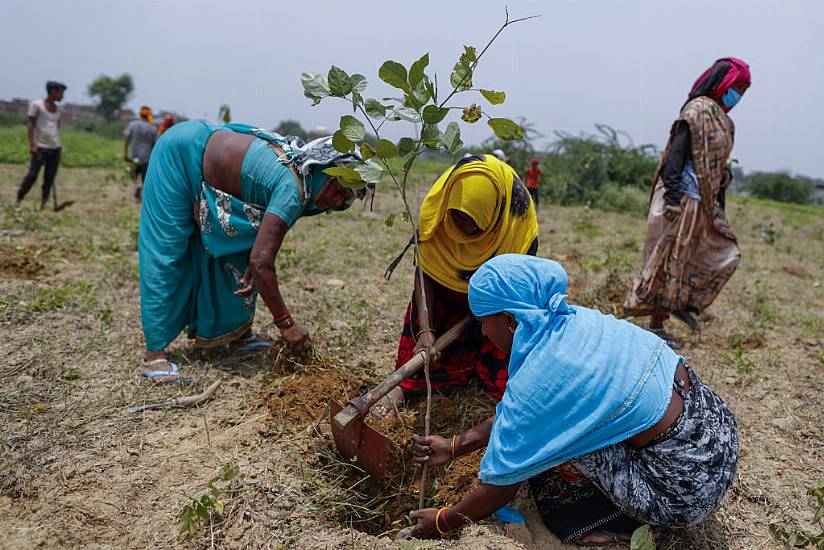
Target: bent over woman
x=690, y=251
x=217, y=204
x=477, y=209
x=606, y=423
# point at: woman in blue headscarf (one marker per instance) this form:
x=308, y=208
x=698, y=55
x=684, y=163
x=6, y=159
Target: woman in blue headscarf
x=217, y=204
x=607, y=424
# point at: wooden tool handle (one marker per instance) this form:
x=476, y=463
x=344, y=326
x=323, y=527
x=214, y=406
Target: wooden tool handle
x=365, y=402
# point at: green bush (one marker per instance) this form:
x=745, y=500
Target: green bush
x=599, y=170
x=779, y=186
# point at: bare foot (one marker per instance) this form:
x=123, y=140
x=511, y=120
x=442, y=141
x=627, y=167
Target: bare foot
x=387, y=406
x=600, y=538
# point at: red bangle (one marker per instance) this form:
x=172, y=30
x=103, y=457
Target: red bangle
x=443, y=519
x=284, y=322
x=282, y=317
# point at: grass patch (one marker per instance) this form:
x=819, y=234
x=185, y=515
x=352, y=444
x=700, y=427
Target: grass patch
x=80, y=149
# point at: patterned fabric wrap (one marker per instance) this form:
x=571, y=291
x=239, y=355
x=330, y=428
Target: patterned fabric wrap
x=687, y=262
x=194, y=243
x=680, y=480
x=571, y=506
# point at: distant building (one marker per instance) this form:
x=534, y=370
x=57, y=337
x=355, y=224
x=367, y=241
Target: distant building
x=71, y=111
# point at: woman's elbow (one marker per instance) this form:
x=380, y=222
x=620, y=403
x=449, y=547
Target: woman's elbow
x=261, y=264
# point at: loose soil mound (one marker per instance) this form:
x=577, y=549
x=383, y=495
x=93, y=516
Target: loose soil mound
x=342, y=492
x=21, y=262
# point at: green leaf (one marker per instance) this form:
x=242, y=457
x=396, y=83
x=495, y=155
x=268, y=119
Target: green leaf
x=352, y=128
x=315, y=86
x=386, y=149
x=432, y=114
x=430, y=135
x=341, y=143
x=346, y=176
x=358, y=82
x=405, y=146
x=394, y=74
x=339, y=83
x=370, y=172
x=366, y=151
x=461, y=78
x=495, y=98
x=505, y=129
x=218, y=506
x=642, y=539
x=408, y=160
x=451, y=138
x=472, y=113
x=408, y=114
x=416, y=71
x=374, y=108
x=389, y=221
x=357, y=99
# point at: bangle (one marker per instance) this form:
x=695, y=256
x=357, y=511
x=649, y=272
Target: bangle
x=418, y=334
x=446, y=523
x=438, y=517
x=452, y=447
x=284, y=321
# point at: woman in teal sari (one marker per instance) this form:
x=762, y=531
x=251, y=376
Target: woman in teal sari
x=217, y=202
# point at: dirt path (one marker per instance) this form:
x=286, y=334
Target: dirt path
x=77, y=470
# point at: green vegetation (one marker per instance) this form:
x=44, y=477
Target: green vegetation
x=80, y=149
x=779, y=186
x=111, y=94
x=600, y=171
x=198, y=514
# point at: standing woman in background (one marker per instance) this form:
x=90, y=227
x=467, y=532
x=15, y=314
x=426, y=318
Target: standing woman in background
x=690, y=251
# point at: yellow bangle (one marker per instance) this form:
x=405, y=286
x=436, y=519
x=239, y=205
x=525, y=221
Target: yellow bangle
x=437, y=517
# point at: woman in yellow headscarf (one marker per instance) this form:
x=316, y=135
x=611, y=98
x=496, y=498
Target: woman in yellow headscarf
x=476, y=210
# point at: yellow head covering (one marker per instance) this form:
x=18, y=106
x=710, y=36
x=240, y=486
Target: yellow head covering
x=482, y=190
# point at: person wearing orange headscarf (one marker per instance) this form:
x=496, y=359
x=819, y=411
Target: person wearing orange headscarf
x=476, y=210
x=140, y=136
x=690, y=250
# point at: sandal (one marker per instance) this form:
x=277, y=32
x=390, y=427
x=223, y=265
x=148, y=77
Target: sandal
x=615, y=539
x=169, y=376
x=249, y=343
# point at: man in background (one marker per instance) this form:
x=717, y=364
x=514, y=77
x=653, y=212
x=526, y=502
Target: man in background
x=44, y=141
x=140, y=137
x=533, y=174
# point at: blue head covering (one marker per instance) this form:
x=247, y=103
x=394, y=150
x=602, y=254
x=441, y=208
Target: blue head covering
x=579, y=380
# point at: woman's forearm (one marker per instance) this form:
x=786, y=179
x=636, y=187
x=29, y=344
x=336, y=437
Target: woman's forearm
x=262, y=260
x=480, y=503
x=474, y=438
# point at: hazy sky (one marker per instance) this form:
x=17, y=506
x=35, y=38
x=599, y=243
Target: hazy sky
x=627, y=63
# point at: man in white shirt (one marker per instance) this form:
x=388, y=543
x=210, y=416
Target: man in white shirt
x=44, y=141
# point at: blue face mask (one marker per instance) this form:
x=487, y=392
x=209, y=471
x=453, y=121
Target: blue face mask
x=731, y=98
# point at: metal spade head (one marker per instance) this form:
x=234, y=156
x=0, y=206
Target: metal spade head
x=368, y=448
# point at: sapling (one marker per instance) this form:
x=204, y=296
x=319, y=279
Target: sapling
x=425, y=109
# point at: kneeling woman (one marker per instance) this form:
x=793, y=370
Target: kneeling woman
x=607, y=424
x=217, y=204
x=477, y=209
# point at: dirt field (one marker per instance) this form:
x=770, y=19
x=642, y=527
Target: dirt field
x=78, y=470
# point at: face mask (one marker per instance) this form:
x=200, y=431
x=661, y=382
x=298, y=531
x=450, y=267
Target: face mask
x=731, y=98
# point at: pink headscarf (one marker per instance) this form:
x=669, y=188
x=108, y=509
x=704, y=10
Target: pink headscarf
x=738, y=71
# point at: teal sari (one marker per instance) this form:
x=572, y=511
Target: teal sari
x=194, y=240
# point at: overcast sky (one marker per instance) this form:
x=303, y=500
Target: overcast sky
x=627, y=63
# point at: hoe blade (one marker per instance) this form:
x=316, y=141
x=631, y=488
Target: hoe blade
x=368, y=448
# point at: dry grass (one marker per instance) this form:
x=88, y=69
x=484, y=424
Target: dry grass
x=77, y=470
